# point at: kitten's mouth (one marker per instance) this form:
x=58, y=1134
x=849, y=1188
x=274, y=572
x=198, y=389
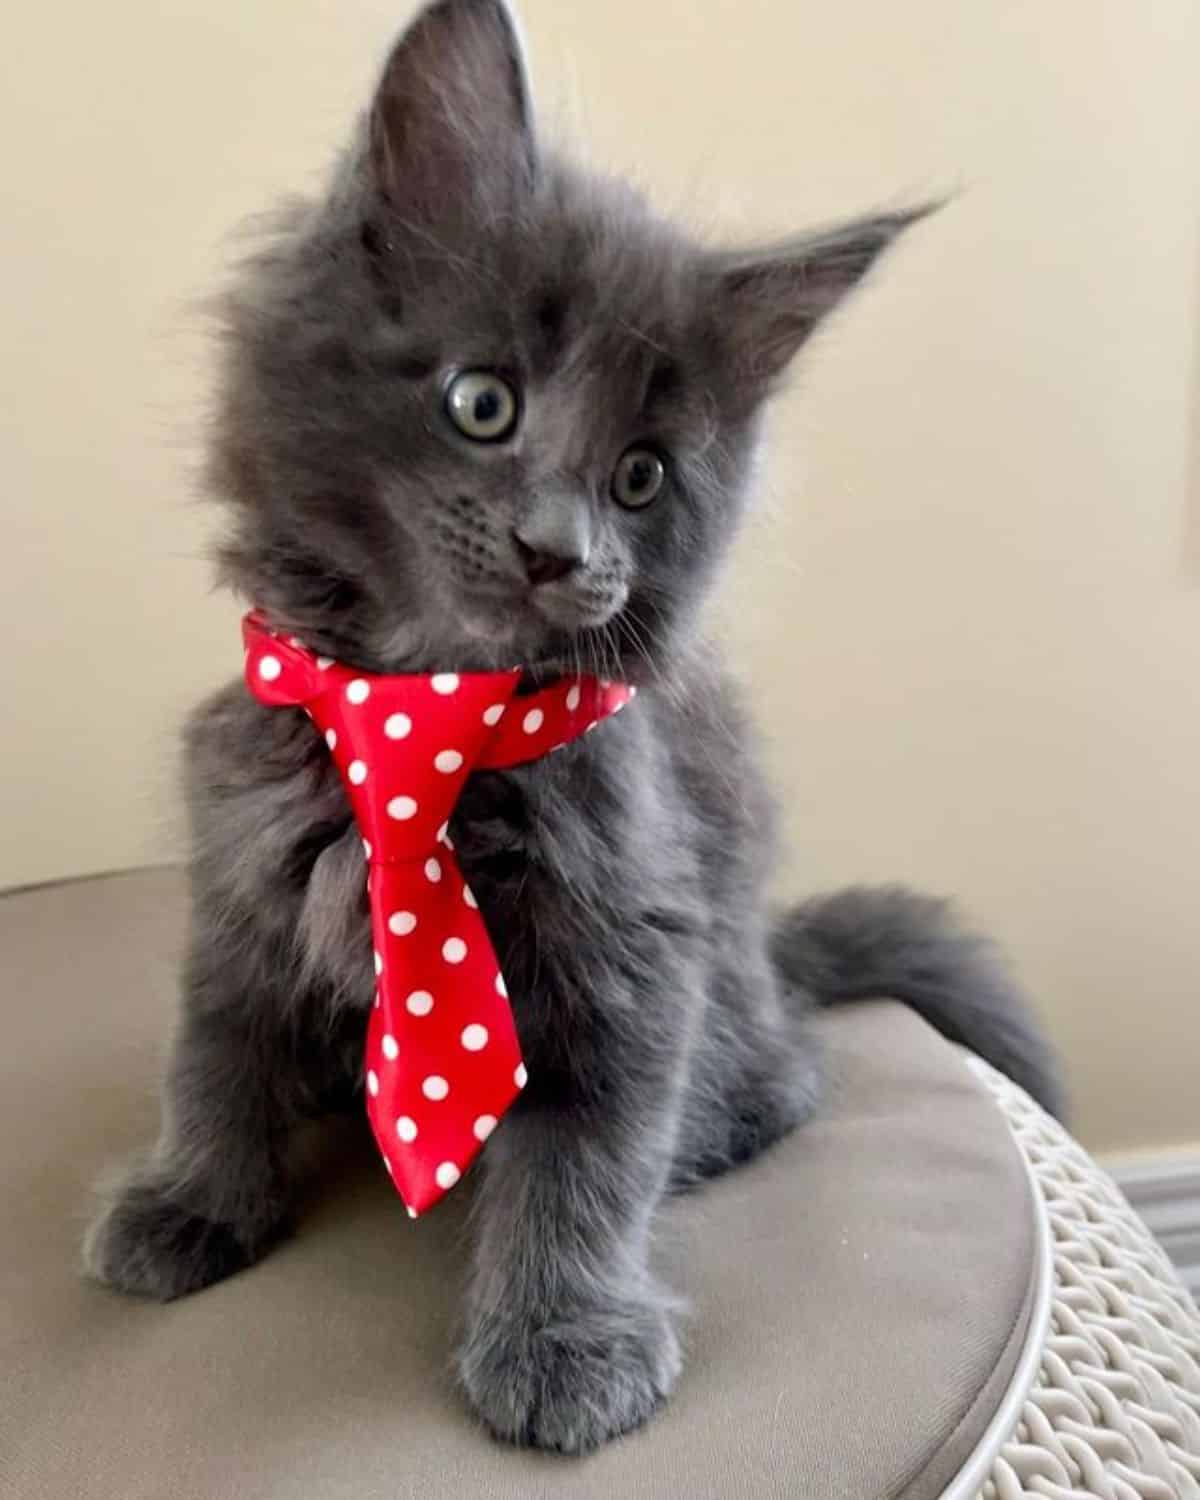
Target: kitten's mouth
x=563, y=606
x=525, y=617
x=545, y=643
x=574, y=621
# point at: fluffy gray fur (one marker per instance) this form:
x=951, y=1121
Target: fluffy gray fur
x=660, y=1006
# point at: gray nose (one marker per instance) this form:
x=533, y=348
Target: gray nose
x=544, y=567
x=554, y=537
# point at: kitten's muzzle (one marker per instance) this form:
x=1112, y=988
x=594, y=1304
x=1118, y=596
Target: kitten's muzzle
x=554, y=537
x=544, y=567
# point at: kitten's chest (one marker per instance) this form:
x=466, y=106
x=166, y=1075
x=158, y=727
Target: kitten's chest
x=541, y=864
x=519, y=839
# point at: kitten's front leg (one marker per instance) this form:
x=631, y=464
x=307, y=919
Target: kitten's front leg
x=569, y=1338
x=214, y=1192
x=257, y=1049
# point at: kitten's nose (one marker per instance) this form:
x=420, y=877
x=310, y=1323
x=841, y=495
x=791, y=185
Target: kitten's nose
x=553, y=538
x=543, y=567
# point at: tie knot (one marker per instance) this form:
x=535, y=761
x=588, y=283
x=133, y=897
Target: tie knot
x=404, y=743
x=405, y=746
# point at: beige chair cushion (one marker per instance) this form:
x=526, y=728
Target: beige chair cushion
x=859, y=1296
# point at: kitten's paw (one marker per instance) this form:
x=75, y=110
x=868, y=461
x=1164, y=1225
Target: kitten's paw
x=146, y=1244
x=573, y=1385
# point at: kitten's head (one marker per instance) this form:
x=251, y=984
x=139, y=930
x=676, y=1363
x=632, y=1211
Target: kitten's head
x=480, y=408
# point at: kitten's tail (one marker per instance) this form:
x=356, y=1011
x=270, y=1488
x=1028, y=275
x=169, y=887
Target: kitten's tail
x=872, y=942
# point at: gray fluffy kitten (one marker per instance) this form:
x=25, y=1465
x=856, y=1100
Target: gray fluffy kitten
x=569, y=508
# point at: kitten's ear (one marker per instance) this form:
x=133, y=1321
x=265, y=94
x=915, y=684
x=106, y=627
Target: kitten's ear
x=451, y=124
x=768, y=301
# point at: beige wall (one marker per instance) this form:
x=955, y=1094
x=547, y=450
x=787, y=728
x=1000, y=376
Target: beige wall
x=971, y=607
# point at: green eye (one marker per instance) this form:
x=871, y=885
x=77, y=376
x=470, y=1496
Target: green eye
x=482, y=406
x=638, y=477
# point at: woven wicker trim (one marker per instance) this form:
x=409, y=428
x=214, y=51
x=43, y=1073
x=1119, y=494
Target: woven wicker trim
x=1114, y=1410
x=977, y=1467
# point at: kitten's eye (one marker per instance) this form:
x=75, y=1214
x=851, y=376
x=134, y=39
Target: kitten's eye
x=482, y=406
x=638, y=478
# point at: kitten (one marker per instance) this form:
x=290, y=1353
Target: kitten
x=575, y=516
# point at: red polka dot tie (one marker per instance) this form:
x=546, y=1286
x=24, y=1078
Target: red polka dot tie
x=443, y=1062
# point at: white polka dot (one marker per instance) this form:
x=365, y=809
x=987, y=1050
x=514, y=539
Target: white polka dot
x=433, y=870
x=521, y=1076
x=269, y=668
x=406, y=1129
x=367, y=847
x=397, y=726
x=493, y=715
x=474, y=1038
x=401, y=923
x=357, y=772
x=533, y=721
x=454, y=950
x=402, y=808
x=501, y=987
x=573, y=698
x=447, y=1175
x=331, y=738
x=372, y=1083
x=484, y=1126
x=591, y=726
x=445, y=682
x=448, y=761
x=358, y=691
x=390, y=1048
x=412, y=1213
x=387, y=1164
x=378, y=962
x=469, y=898
x=435, y=1087
x=441, y=833
x=324, y=663
x=419, y=1003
